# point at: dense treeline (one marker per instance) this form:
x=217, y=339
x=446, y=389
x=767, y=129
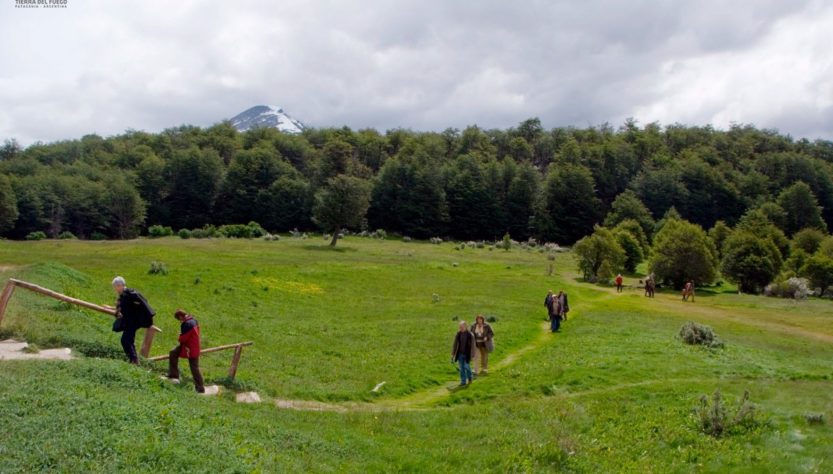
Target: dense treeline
x=554, y=185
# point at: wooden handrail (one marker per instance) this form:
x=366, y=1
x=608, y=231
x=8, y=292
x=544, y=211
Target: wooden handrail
x=207, y=351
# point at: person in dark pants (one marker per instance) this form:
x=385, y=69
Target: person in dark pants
x=188, y=348
x=462, y=352
x=132, y=312
x=549, y=301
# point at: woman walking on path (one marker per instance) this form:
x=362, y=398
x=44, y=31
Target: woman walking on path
x=462, y=352
x=484, y=342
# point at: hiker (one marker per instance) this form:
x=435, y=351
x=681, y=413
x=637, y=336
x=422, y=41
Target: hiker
x=618, y=282
x=562, y=306
x=462, y=352
x=688, y=291
x=188, y=348
x=132, y=312
x=649, y=286
x=484, y=342
x=549, y=301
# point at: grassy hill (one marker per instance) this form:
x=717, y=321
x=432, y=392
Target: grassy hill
x=615, y=392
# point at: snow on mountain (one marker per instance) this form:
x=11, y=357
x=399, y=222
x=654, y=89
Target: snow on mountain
x=268, y=116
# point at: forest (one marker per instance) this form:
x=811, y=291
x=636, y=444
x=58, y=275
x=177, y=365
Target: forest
x=475, y=184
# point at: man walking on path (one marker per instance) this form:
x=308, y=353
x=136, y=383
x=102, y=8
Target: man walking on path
x=618, y=282
x=462, y=352
x=188, y=348
x=132, y=312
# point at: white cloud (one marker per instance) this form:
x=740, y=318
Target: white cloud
x=103, y=66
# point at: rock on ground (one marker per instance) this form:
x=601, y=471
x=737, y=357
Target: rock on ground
x=14, y=350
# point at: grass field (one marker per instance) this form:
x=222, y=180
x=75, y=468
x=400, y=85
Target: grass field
x=614, y=392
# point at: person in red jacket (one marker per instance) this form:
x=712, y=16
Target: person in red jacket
x=618, y=282
x=188, y=348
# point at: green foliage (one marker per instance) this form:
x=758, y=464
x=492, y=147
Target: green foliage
x=808, y=239
x=67, y=235
x=632, y=227
x=252, y=230
x=632, y=248
x=343, y=202
x=507, y=242
x=156, y=231
x=8, y=205
x=750, y=261
x=695, y=334
x=37, y=235
x=599, y=255
x=719, y=233
x=571, y=207
x=715, y=421
x=683, y=252
x=184, y=234
x=755, y=222
x=627, y=206
x=802, y=208
x=819, y=270
x=157, y=268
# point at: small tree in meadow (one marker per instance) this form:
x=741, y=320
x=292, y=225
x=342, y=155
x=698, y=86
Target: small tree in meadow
x=750, y=261
x=343, y=202
x=599, y=254
x=682, y=251
x=819, y=269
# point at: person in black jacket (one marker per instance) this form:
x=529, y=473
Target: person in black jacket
x=462, y=352
x=134, y=312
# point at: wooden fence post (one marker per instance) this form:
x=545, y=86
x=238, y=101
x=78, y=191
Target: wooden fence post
x=148, y=340
x=4, y=298
x=235, y=360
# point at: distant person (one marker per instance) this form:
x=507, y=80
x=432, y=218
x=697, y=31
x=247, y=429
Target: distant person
x=688, y=291
x=462, y=352
x=563, y=306
x=549, y=302
x=650, y=286
x=618, y=282
x=132, y=312
x=484, y=342
x=188, y=348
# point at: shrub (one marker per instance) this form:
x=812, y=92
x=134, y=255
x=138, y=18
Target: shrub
x=184, y=234
x=240, y=231
x=98, y=236
x=436, y=240
x=599, y=255
x=156, y=231
x=715, y=421
x=819, y=269
x=795, y=288
x=271, y=237
x=698, y=334
x=380, y=234
x=36, y=235
x=406, y=239
x=67, y=235
x=507, y=242
x=814, y=418
x=158, y=268
x=204, y=232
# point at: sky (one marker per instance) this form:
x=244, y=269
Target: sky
x=106, y=66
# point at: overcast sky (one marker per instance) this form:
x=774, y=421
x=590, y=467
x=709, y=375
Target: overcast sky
x=110, y=65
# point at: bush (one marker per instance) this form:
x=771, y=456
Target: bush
x=506, y=243
x=98, y=236
x=715, y=421
x=379, y=234
x=698, y=334
x=271, y=237
x=600, y=255
x=158, y=268
x=67, y=235
x=184, y=234
x=436, y=240
x=795, y=288
x=204, y=233
x=240, y=231
x=156, y=231
x=406, y=239
x=37, y=235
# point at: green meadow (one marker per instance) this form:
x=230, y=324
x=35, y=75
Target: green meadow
x=616, y=391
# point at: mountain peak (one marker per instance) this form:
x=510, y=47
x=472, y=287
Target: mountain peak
x=266, y=116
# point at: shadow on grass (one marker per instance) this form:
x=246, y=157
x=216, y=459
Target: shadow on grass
x=327, y=248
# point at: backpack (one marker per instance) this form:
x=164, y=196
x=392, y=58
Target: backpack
x=143, y=315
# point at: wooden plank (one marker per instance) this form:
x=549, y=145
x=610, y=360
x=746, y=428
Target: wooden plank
x=207, y=351
x=62, y=297
x=8, y=290
x=148, y=340
x=235, y=361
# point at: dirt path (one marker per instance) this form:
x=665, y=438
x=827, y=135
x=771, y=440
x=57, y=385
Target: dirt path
x=15, y=350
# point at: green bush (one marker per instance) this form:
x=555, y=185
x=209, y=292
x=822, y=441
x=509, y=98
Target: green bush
x=184, y=234
x=37, y=235
x=157, y=268
x=156, y=231
x=698, y=334
x=98, y=236
x=240, y=231
x=67, y=235
x=715, y=421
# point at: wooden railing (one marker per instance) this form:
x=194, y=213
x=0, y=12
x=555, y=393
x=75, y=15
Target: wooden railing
x=8, y=291
x=235, y=359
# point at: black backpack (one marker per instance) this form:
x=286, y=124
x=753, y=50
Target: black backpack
x=139, y=310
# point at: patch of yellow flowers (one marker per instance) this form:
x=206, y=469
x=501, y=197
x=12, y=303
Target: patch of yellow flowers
x=288, y=286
